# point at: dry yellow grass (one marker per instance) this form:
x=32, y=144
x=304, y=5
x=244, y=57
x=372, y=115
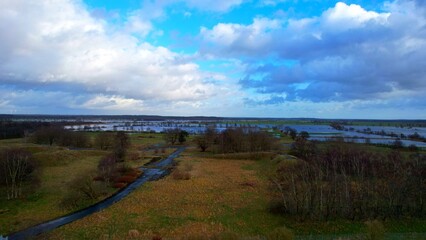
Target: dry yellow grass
x=221, y=195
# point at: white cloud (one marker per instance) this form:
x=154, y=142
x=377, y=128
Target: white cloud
x=347, y=53
x=117, y=103
x=58, y=44
x=135, y=24
x=238, y=36
x=343, y=17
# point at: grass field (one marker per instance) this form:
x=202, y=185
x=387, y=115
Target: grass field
x=220, y=196
x=226, y=196
x=58, y=166
x=224, y=199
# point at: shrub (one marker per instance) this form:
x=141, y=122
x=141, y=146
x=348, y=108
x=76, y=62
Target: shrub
x=133, y=156
x=375, y=230
x=104, y=140
x=119, y=185
x=124, y=168
x=277, y=207
x=133, y=233
x=125, y=179
x=107, y=167
x=99, y=178
x=281, y=233
x=133, y=173
x=413, y=148
x=83, y=190
x=181, y=175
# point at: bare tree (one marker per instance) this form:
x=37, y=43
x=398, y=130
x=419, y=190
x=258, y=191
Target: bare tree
x=206, y=139
x=16, y=166
x=104, y=140
x=47, y=135
x=121, y=143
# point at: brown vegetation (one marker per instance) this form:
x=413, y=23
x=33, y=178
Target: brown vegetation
x=175, y=135
x=348, y=181
x=61, y=137
x=16, y=168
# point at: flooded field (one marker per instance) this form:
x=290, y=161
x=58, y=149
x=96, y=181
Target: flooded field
x=320, y=132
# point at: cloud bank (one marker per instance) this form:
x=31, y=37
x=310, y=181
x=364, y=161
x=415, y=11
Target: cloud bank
x=347, y=53
x=62, y=57
x=57, y=45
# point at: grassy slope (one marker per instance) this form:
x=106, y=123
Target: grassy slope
x=58, y=167
x=222, y=195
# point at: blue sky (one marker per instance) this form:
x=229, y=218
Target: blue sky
x=231, y=58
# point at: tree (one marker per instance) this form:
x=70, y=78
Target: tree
x=290, y=132
x=206, y=139
x=397, y=144
x=107, y=167
x=47, y=135
x=202, y=143
x=16, y=166
x=104, y=140
x=120, y=145
x=171, y=135
x=182, y=136
x=73, y=139
x=304, y=134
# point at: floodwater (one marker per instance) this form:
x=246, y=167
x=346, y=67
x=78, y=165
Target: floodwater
x=317, y=132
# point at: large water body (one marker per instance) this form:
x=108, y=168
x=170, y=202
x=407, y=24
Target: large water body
x=317, y=132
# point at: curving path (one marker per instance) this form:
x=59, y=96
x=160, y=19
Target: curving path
x=155, y=171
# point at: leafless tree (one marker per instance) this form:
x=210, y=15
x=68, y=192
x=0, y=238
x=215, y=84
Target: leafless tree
x=16, y=166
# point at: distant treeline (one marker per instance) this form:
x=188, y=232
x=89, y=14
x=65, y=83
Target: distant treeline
x=17, y=129
x=342, y=180
x=12, y=129
x=236, y=140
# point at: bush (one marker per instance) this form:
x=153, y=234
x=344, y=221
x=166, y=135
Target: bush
x=277, y=207
x=375, y=230
x=119, y=185
x=413, y=148
x=82, y=191
x=104, y=140
x=342, y=180
x=181, y=175
x=133, y=173
x=281, y=233
x=133, y=156
x=107, y=167
x=125, y=179
x=98, y=178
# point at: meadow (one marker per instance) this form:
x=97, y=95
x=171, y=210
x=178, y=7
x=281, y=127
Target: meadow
x=208, y=195
x=57, y=168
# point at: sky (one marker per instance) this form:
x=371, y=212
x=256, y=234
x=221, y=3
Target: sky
x=228, y=58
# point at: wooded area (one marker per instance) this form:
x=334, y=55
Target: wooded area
x=342, y=180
